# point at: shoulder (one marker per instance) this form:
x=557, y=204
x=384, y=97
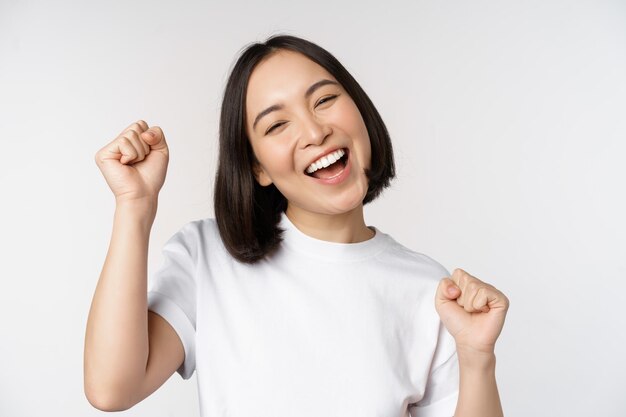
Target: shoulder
x=403, y=257
x=197, y=234
x=203, y=228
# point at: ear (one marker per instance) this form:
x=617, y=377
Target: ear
x=261, y=176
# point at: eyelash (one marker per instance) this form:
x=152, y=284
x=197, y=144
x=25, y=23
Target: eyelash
x=325, y=99
x=322, y=101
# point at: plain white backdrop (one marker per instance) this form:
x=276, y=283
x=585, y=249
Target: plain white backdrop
x=508, y=121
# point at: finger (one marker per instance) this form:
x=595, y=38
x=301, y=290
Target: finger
x=460, y=277
x=144, y=125
x=447, y=290
x=468, y=291
x=155, y=138
x=481, y=301
x=470, y=297
x=138, y=129
x=466, y=281
x=139, y=126
x=146, y=147
x=123, y=150
x=137, y=143
x=496, y=299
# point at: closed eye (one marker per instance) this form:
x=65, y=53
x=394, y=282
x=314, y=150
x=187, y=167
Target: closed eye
x=325, y=99
x=322, y=101
x=274, y=126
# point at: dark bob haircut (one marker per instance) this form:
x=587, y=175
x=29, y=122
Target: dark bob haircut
x=247, y=214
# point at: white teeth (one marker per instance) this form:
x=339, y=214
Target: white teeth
x=325, y=161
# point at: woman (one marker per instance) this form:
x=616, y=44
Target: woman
x=286, y=303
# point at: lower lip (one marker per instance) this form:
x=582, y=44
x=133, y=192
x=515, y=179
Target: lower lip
x=337, y=178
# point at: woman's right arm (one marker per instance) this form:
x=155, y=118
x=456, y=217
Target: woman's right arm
x=129, y=351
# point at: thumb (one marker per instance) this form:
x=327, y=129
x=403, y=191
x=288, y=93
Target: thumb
x=447, y=291
x=154, y=137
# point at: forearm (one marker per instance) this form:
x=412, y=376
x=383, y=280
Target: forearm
x=116, y=340
x=478, y=392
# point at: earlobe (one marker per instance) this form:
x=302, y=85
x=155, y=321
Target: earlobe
x=261, y=176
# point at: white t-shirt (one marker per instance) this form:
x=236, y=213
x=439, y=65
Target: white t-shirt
x=319, y=329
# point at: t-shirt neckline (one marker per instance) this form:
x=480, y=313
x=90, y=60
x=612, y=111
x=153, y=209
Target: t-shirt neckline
x=296, y=240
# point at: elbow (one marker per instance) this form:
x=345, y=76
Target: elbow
x=109, y=391
x=104, y=403
x=107, y=399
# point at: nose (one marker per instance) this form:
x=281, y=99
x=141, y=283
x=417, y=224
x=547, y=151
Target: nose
x=314, y=131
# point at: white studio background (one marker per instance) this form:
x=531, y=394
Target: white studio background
x=509, y=129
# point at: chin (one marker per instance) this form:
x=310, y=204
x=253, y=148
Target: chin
x=349, y=205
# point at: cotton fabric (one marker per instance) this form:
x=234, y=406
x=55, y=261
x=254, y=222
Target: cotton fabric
x=318, y=329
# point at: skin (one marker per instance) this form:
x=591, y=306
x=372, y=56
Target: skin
x=130, y=352
x=472, y=310
x=309, y=128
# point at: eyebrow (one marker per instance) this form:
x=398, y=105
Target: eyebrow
x=307, y=94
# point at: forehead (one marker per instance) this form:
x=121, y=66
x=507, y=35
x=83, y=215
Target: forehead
x=279, y=77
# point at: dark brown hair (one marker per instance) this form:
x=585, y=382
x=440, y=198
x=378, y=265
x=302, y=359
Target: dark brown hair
x=247, y=214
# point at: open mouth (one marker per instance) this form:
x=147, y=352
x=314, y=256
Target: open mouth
x=333, y=168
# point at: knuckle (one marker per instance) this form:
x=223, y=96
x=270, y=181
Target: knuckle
x=127, y=145
x=133, y=134
x=464, y=280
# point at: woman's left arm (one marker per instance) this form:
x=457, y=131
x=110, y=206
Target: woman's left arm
x=473, y=312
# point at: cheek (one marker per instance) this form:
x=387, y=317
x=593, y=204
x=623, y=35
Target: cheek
x=352, y=122
x=355, y=126
x=350, y=117
x=276, y=159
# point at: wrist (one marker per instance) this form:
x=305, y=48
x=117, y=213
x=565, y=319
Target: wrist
x=139, y=205
x=476, y=359
x=141, y=211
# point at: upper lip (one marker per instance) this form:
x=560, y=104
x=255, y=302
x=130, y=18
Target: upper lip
x=324, y=154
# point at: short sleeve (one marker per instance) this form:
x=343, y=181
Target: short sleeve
x=442, y=388
x=172, y=291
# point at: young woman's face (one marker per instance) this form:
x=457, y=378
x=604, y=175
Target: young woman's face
x=315, y=117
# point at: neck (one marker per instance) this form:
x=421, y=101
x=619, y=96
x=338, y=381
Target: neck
x=348, y=227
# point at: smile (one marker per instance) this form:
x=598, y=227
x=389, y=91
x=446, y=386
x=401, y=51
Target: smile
x=334, y=172
x=325, y=161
